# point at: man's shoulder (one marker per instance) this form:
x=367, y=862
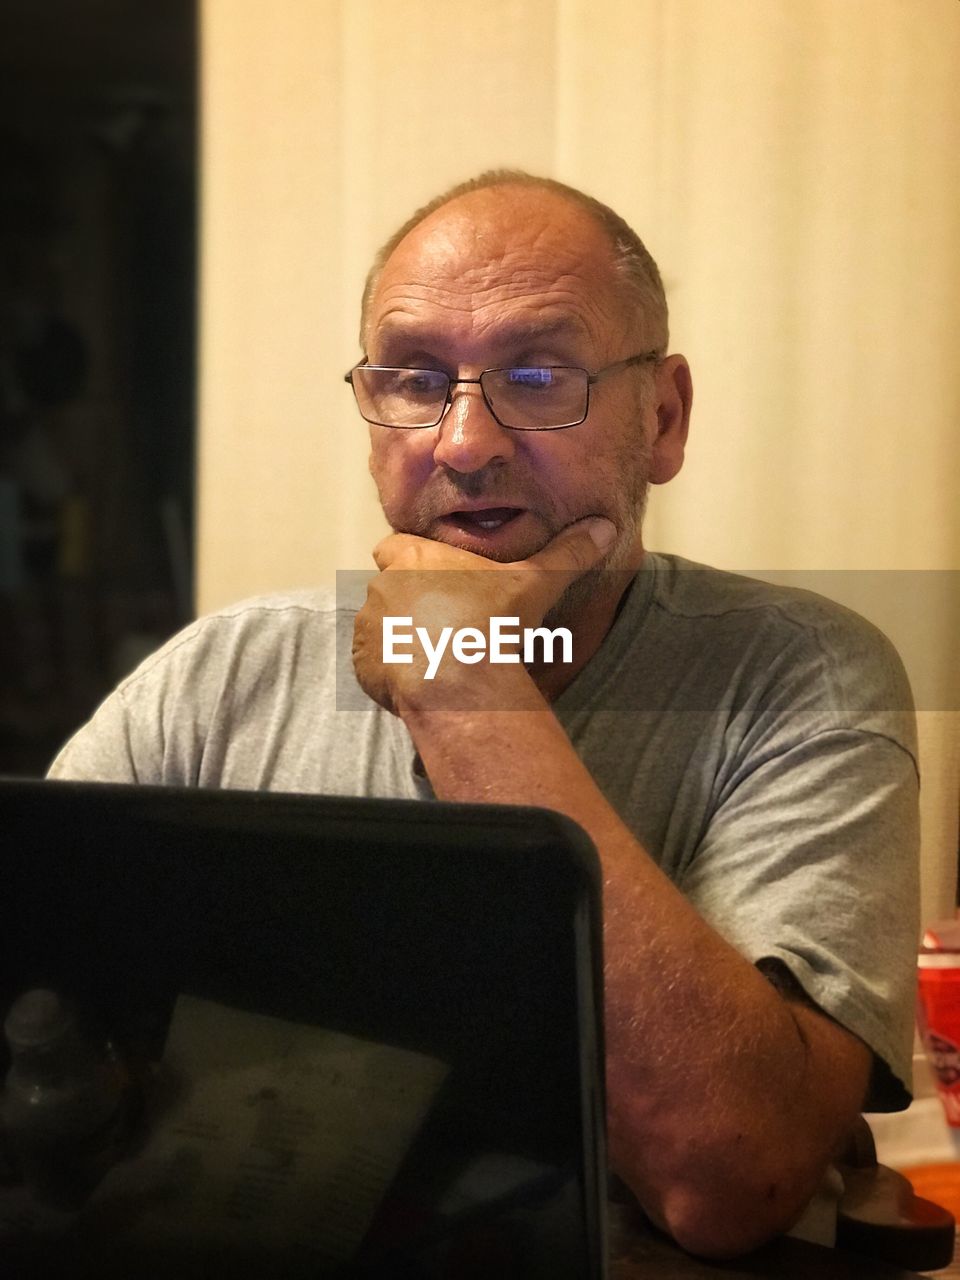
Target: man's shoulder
x=277, y=607
x=772, y=635
x=784, y=602
x=248, y=696
x=242, y=631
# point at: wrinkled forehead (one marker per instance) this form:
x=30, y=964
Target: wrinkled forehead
x=496, y=245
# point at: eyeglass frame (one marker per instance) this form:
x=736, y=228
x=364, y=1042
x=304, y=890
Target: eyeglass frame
x=642, y=358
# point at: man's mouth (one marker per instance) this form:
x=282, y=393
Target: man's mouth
x=485, y=520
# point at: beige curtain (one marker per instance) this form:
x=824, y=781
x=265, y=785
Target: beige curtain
x=795, y=169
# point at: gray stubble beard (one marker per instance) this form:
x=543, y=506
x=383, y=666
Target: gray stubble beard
x=583, y=591
x=580, y=593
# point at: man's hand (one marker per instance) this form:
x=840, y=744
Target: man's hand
x=442, y=586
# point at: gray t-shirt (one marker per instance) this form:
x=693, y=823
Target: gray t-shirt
x=758, y=741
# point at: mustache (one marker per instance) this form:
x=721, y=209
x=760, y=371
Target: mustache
x=444, y=491
x=490, y=482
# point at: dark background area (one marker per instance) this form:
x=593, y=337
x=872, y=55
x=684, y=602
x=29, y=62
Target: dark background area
x=97, y=352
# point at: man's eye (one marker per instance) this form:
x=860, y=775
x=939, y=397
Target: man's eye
x=419, y=382
x=533, y=379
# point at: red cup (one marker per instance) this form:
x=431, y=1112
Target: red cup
x=938, y=1013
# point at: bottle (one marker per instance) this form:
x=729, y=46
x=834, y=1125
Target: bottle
x=64, y=1100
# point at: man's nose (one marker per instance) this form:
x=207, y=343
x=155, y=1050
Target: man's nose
x=469, y=437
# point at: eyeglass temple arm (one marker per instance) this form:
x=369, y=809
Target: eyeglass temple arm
x=348, y=376
x=643, y=358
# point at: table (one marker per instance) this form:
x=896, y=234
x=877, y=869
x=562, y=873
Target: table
x=640, y=1253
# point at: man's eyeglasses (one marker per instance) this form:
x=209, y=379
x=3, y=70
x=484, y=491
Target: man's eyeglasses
x=527, y=398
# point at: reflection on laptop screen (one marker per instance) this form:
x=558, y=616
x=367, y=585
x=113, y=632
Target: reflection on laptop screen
x=255, y=1035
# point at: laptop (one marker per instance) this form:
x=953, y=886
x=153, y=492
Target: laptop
x=251, y=1034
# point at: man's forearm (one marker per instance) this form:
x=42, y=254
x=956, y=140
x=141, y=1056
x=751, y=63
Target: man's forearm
x=726, y=1101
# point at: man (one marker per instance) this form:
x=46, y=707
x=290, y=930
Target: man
x=741, y=756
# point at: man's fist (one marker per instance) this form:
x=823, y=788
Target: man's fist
x=440, y=586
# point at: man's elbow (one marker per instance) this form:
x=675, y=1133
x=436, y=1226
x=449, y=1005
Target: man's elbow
x=731, y=1213
x=711, y=1227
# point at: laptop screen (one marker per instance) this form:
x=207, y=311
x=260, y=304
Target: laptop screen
x=251, y=1034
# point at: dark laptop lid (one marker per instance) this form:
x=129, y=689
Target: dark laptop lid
x=345, y=1037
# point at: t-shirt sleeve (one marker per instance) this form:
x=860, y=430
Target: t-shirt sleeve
x=103, y=750
x=812, y=861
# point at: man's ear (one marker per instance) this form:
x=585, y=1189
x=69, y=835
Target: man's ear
x=674, y=398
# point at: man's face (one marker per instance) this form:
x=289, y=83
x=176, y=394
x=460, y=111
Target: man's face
x=502, y=278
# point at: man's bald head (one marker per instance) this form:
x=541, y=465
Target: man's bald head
x=635, y=269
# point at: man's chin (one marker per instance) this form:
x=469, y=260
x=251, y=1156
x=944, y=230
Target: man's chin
x=503, y=555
